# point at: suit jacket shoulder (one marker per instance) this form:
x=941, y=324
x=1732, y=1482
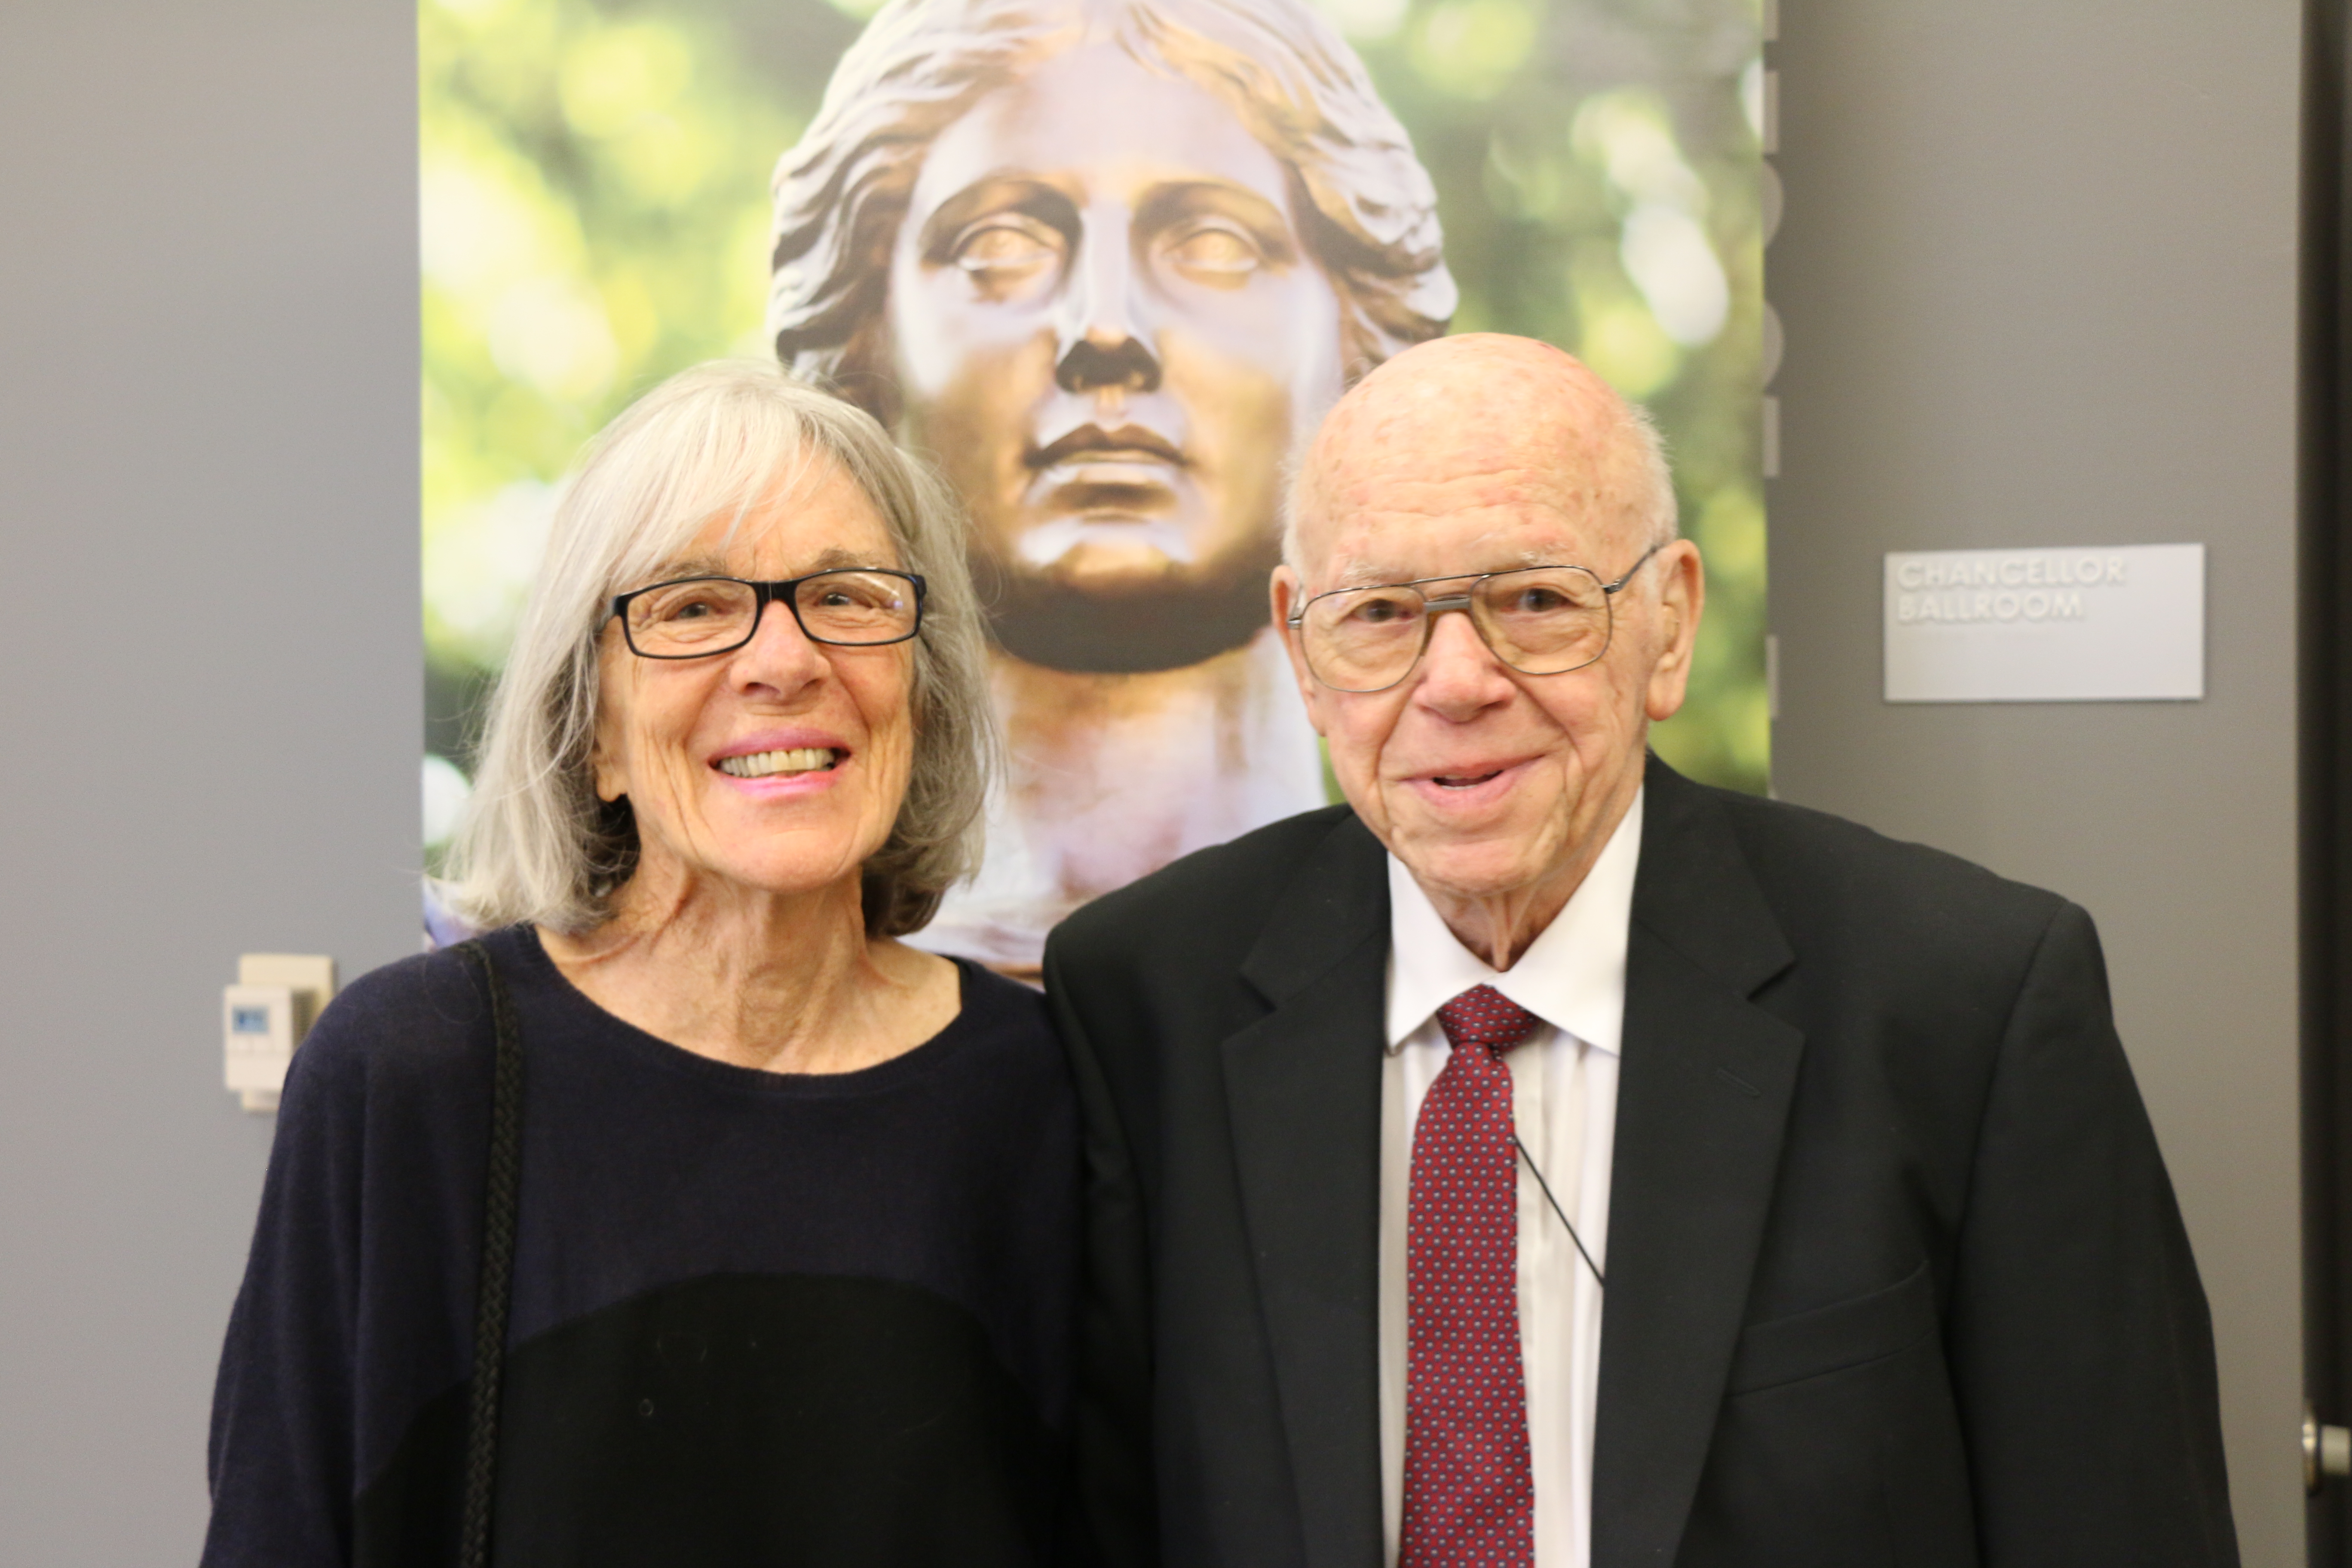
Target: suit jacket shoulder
x=1209, y=909
x=1842, y=895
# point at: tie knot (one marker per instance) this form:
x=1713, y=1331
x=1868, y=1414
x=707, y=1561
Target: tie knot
x=1488, y=1016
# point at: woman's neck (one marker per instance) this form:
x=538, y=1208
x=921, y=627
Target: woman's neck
x=784, y=983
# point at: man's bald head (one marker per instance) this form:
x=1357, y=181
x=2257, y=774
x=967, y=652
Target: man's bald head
x=1504, y=466
x=1530, y=419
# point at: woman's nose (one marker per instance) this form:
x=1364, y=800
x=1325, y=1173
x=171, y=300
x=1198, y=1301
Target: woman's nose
x=780, y=654
x=1105, y=340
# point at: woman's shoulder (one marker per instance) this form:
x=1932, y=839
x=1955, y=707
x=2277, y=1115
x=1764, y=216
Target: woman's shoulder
x=993, y=1001
x=1002, y=1031
x=415, y=1023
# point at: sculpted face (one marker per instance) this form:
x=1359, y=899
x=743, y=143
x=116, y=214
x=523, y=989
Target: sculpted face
x=827, y=730
x=1470, y=455
x=1107, y=331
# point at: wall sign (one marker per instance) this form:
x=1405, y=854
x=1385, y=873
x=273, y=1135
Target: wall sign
x=2111, y=624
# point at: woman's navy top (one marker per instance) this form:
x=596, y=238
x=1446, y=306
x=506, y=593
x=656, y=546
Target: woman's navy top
x=758, y=1318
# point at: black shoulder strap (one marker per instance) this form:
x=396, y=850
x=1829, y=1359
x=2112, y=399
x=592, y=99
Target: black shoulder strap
x=496, y=1289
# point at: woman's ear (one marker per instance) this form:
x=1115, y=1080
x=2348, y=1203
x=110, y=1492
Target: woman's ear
x=610, y=784
x=605, y=752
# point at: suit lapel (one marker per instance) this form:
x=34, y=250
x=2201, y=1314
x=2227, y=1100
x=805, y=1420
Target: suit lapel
x=1303, y=1087
x=1702, y=1096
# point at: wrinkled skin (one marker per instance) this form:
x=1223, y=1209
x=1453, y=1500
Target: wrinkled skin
x=740, y=934
x=1497, y=790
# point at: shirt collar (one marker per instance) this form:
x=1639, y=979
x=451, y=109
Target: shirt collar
x=1572, y=976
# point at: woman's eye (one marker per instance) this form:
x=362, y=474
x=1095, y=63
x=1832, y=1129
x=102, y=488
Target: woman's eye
x=1006, y=251
x=687, y=607
x=1216, y=254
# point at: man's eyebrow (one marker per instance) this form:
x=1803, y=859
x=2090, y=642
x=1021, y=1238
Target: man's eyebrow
x=1358, y=574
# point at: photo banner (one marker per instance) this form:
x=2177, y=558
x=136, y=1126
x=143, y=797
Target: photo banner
x=1103, y=264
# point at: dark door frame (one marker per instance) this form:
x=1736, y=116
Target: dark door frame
x=2325, y=576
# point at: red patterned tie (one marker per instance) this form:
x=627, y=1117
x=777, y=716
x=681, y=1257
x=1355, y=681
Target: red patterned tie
x=1469, y=1491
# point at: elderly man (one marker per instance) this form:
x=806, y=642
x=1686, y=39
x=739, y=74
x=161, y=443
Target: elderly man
x=1544, y=1159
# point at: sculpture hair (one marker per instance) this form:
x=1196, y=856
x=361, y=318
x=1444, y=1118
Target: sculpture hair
x=1366, y=210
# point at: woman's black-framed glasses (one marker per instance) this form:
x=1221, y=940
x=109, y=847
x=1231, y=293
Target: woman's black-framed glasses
x=694, y=617
x=1539, y=620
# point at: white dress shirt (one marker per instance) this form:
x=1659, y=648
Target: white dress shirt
x=1564, y=1109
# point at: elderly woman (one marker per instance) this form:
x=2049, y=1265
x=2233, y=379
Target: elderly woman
x=690, y=1217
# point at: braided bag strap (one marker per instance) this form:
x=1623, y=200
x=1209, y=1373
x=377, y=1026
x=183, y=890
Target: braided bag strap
x=496, y=1289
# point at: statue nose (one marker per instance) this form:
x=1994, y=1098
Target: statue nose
x=1105, y=341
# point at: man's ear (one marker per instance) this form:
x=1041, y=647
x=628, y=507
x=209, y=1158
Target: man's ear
x=1681, y=601
x=1288, y=593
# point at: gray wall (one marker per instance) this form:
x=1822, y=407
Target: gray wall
x=2038, y=278
x=2037, y=274
x=210, y=692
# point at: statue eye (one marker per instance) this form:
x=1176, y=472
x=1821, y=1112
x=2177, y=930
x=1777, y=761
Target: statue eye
x=1006, y=250
x=1215, y=253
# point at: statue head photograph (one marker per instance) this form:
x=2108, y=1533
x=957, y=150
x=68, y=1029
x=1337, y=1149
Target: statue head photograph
x=1106, y=262
x=1104, y=266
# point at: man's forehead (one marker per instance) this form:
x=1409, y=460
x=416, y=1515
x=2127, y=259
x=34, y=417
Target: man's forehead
x=1400, y=544
x=1488, y=446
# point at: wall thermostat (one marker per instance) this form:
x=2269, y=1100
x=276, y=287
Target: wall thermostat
x=277, y=998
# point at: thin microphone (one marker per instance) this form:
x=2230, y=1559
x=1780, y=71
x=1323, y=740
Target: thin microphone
x=1536, y=1171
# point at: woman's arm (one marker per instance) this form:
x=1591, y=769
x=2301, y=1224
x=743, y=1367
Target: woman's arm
x=283, y=1426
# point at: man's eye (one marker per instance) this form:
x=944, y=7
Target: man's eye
x=1217, y=254
x=1006, y=249
x=1382, y=610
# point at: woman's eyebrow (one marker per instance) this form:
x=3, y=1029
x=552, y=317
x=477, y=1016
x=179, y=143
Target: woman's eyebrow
x=833, y=558
x=836, y=559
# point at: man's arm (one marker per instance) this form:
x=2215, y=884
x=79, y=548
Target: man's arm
x=1111, y=1419
x=2080, y=1346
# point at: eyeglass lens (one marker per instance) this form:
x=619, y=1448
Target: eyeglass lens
x=1545, y=620
x=711, y=615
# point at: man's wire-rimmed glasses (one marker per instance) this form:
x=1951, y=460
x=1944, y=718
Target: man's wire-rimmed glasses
x=1539, y=620
x=693, y=618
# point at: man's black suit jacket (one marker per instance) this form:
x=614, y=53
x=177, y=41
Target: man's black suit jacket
x=1895, y=1273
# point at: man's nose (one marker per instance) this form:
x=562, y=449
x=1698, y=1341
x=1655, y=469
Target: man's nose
x=1105, y=340
x=1459, y=673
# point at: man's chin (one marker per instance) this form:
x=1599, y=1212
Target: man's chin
x=1119, y=625
x=1472, y=863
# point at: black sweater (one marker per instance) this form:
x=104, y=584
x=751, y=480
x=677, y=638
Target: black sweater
x=758, y=1318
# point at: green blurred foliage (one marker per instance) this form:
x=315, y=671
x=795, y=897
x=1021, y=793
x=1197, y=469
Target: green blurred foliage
x=593, y=181
x=595, y=203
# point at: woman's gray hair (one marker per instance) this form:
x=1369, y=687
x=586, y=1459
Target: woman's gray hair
x=1366, y=210
x=718, y=440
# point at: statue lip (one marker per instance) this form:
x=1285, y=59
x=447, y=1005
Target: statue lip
x=1129, y=442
